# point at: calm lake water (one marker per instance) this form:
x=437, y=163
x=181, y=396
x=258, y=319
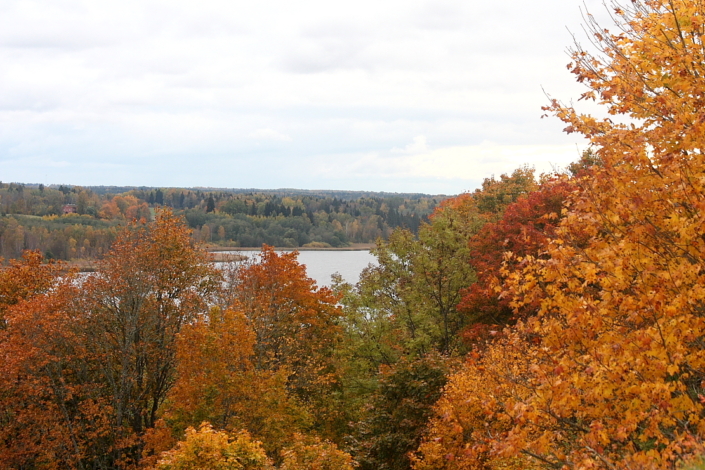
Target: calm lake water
x=321, y=265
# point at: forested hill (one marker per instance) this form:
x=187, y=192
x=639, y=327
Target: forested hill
x=41, y=217
x=282, y=192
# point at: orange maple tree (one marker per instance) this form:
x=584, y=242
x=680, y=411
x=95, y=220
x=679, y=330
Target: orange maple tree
x=89, y=361
x=24, y=278
x=624, y=289
x=617, y=368
x=475, y=415
x=54, y=414
x=296, y=327
x=218, y=383
x=151, y=284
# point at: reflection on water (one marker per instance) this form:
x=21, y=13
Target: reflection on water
x=321, y=265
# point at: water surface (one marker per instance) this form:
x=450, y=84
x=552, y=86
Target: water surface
x=321, y=265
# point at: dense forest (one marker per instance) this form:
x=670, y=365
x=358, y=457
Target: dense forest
x=33, y=217
x=551, y=322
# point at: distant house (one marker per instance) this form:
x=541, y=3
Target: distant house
x=69, y=209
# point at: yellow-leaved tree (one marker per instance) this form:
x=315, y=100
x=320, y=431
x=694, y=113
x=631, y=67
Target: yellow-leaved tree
x=616, y=355
x=207, y=448
x=219, y=383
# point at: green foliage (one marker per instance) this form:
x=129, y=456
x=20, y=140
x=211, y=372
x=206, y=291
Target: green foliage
x=398, y=412
x=287, y=219
x=402, y=319
x=496, y=194
x=695, y=464
x=256, y=219
x=57, y=238
x=407, y=304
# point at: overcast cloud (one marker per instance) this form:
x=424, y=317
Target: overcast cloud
x=411, y=96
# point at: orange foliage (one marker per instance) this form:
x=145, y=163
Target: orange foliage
x=25, y=278
x=463, y=204
x=88, y=362
x=296, y=328
x=265, y=363
x=477, y=412
x=292, y=318
x=617, y=363
x=53, y=413
x=217, y=382
x=147, y=288
x=624, y=290
x=126, y=207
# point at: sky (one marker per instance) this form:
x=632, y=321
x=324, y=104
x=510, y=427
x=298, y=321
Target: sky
x=375, y=95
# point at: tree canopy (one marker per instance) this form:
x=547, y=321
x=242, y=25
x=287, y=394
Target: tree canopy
x=555, y=322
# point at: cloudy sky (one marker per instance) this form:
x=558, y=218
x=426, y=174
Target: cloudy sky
x=383, y=95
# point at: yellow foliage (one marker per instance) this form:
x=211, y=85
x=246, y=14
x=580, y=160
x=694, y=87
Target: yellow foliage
x=218, y=382
x=616, y=363
x=621, y=325
x=311, y=453
x=207, y=449
x=478, y=410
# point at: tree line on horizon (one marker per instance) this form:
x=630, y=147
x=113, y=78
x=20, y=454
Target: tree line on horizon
x=34, y=218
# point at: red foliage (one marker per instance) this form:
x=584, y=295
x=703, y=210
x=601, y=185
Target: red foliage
x=524, y=229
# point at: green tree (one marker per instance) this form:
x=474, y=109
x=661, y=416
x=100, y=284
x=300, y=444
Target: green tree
x=398, y=412
x=407, y=305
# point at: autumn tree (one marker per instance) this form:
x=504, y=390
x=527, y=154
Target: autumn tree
x=296, y=328
x=617, y=373
x=403, y=322
x=147, y=288
x=312, y=453
x=495, y=194
x=38, y=425
x=407, y=305
x=525, y=228
x=475, y=414
x=25, y=278
x=217, y=382
x=209, y=449
x=632, y=299
x=93, y=359
x=53, y=412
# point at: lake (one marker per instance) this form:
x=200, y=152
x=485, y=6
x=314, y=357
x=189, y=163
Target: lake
x=321, y=265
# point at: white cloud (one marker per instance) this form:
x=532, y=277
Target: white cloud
x=487, y=159
x=269, y=134
x=123, y=81
x=418, y=145
x=464, y=163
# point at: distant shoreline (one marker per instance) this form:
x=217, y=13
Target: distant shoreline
x=218, y=255
x=353, y=247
